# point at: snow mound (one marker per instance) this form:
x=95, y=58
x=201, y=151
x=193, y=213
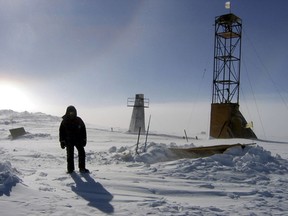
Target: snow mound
x=8, y=178
x=11, y=117
x=154, y=153
x=249, y=160
x=251, y=165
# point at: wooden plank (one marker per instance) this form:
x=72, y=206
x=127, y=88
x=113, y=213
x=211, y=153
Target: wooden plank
x=205, y=151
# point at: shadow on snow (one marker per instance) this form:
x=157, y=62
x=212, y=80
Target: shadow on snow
x=97, y=196
x=6, y=189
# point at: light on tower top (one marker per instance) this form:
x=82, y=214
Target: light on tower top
x=228, y=5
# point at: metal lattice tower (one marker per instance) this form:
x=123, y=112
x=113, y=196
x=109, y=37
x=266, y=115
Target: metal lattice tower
x=227, y=56
x=226, y=120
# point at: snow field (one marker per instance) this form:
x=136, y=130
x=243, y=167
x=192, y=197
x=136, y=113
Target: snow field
x=33, y=179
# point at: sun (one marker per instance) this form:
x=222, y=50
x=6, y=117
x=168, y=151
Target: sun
x=15, y=97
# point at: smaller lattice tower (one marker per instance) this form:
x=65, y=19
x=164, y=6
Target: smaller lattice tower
x=139, y=103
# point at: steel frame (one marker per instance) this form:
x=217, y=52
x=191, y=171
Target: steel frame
x=227, y=58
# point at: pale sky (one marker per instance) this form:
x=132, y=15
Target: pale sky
x=94, y=54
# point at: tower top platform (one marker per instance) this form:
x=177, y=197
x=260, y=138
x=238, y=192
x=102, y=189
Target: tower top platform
x=228, y=19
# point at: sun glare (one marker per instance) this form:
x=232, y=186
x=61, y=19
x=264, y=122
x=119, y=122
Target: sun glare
x=14, y=97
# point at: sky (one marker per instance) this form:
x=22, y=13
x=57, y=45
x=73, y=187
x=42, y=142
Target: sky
x=94, y=54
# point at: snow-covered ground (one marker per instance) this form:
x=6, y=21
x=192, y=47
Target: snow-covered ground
x=33, y=179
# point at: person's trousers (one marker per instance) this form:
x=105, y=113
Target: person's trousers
x=70, y=157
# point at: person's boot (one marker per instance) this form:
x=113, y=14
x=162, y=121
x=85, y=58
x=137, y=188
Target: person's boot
x=84, y=170
x=70, y=171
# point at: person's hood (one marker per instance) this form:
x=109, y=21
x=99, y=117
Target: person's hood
x=69, y=110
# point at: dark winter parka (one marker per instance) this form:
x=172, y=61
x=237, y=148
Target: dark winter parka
x=72, y=130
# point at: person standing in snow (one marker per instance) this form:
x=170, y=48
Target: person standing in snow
x=72, y=133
